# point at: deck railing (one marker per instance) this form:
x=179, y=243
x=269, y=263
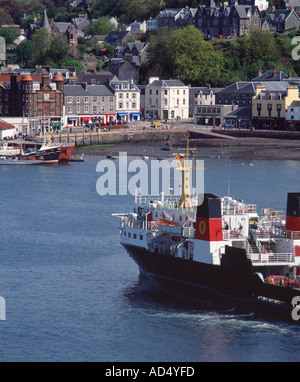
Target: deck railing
x=271, y=257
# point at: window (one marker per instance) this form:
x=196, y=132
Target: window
x=270, y=109
x=78, y=99
x=86, y=99
x=70, y=99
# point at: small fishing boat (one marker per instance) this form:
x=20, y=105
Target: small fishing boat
x=79, y=159
x=109, y=156
x=166, y=147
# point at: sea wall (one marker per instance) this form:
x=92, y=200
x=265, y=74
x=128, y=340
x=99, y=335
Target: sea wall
x=111, y=137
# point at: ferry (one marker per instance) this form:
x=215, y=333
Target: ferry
x=222, y=252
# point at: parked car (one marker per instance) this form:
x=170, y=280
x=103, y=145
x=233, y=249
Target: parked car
x=222, y=36
x=155, y=124
x=29, y=138
x=277, y=279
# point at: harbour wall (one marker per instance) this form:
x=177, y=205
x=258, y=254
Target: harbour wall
x=112, y=137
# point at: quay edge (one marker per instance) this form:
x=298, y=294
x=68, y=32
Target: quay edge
x=112, y=137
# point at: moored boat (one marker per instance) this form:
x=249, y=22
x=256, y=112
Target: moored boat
x=65, y=153
x=19, y=160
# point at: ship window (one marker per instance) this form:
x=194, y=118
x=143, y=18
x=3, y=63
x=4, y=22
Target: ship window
x=141, y=237
x=134, y=235
x=129, y=234
x=124, y=233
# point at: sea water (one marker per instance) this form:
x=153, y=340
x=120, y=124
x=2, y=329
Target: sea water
x=73, y=294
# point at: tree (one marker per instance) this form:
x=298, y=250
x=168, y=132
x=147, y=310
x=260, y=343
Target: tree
x=59, y=48
x=73, y=62
x=42, y=42
x=101, y=27
x=195, y=60
x=159, y=61
x=25, y=52
x=261, y=46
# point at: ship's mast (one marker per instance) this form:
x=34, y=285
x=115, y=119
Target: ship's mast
x=186, y=168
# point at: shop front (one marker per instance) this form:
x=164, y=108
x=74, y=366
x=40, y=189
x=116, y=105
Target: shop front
x=122, y=116
x=72, y=121
x=135, y=117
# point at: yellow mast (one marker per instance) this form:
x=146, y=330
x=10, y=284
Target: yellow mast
x=186, y=167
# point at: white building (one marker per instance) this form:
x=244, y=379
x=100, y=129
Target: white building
x=292, y=115
x=262, y=5
x=127, y=96
x=7, y=130
x=151, y=24
x=166, y=99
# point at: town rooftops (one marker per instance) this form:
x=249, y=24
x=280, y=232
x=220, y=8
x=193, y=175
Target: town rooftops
x=271, y=75
x=167, y=83
x=5, y=125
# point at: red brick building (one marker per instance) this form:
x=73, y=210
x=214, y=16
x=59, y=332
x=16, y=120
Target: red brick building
x=31, y=95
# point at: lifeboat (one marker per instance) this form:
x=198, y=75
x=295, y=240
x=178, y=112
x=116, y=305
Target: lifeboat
x=167, y=222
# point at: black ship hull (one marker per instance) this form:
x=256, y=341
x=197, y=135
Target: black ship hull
x=230, y=286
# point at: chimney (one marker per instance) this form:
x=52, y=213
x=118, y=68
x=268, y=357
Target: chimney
x=45, y=80
x=151, y=79
x=259, y=72
x=274, y=73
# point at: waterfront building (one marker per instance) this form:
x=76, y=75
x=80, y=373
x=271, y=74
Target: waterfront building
x=269, y=106
x=88, y=104
x=292, y=116
x=7, y=130
x=127, y=98
x=212, y=115
x=36, y=97
x=166, y=99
